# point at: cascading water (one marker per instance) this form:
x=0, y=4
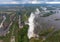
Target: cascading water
x=2, y=21
x=31, y=26
x=31, y=23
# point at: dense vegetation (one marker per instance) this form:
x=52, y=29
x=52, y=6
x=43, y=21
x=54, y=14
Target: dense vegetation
x=22, y=34
x=46, y=14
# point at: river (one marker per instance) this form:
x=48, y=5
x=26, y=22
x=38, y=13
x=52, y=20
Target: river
x=37, y=23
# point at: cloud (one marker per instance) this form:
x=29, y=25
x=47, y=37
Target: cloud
x=29, y=1
x=9, y=2
x=52, y=2
x=37, y=1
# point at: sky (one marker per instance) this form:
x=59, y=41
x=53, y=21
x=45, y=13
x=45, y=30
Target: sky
x=29, y=1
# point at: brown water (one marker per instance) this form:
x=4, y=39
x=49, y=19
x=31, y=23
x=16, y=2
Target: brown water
x=53, y=20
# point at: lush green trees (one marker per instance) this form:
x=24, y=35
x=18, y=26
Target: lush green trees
x=22, y=34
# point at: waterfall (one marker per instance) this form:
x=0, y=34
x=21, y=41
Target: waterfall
x=31, y=26
x=2, y=21
x=31, y=23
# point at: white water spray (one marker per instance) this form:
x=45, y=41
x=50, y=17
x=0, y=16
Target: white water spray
x=2, y=21
x=31, y=24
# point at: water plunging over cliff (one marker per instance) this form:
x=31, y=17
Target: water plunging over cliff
x=31, y=23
